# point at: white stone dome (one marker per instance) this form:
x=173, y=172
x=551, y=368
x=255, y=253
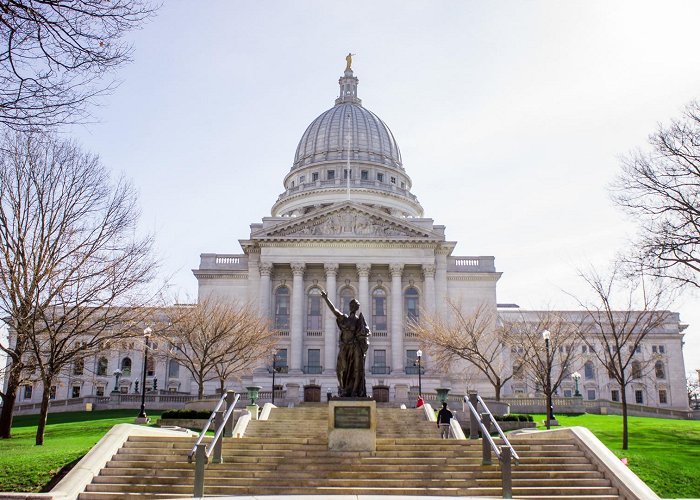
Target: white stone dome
x=347, y=153
x=326, y=139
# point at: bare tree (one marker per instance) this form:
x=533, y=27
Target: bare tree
x=71, y=267
x=218, y=339
x=693, y=386
x=620, y=316
x=471, y=336
x=661, y=189
x=545, y=361
x=56, y=55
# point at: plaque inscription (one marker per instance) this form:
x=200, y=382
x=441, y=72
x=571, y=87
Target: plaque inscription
x=351, y=417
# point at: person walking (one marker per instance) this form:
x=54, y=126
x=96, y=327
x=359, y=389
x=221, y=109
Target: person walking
x=443, y=421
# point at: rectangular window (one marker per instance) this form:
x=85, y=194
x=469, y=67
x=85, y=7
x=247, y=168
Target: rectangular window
x=313, y=361
x=403, y=185
x=52, y=392
x=281, y=362
x=75, y=392
x=292, y=183
x=615, y=395
x=567, y=393
x=639, y=397
x=662, y=349
x=315, y=357
x=380, y=177
x=591, y=394
x=653, y=349
x=584, y=349
x=99, y=391
x=412, y=362
x=345, y=173
x=302, y=179
x=393, y=180
x=314, y=176
x=27, y=392
x=123, y=389
x=330, y=175
x=662, y=397
x=379, y=357
x=364, y=175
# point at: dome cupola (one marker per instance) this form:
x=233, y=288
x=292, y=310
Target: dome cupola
x=347, y=152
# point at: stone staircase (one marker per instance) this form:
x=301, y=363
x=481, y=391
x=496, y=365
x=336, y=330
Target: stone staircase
x=288, y=454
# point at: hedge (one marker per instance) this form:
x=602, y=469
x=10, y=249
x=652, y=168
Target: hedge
x=186, y=414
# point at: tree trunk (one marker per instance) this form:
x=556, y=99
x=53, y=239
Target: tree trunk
x=222, y=383
x=625, y=436
x=43, y=413
x=200, y=389
x=8, y=405
x=498, y=391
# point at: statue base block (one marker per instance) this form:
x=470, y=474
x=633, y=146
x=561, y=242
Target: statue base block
x=352, y=424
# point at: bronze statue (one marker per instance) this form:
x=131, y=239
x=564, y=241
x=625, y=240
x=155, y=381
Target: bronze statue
x=354, y=342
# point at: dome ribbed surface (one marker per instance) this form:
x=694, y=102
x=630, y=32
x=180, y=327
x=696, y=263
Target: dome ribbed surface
x=326, y=138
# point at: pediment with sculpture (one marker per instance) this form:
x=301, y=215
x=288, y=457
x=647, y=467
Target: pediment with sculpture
x=347, y=222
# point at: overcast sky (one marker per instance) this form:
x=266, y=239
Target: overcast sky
x=511, y=118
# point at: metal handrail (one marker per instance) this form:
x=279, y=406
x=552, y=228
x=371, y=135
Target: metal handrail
x=206, y=427
x=484, y=431
x=498, y=429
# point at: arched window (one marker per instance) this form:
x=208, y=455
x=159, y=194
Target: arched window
x=173, y=369
x=659, y=369
x=411, y=304
x=102, y=366
x=588, y=370
x=126, y=367
x=314, y=318
x=150, y=367
x=282, y=308
x=379, y=310
x=636, y=369
x=346, y=295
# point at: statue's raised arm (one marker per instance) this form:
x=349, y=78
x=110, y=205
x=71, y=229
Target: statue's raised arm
x=335, y=311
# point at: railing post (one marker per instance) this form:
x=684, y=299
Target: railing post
x=506, y=476
x=200, y=462
x=218, y=422
x=473, y=422
x=228, y=425
x=485, y=445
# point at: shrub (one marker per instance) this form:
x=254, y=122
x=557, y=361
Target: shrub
x=185, y=414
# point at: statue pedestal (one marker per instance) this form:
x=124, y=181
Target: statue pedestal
x=352, y=425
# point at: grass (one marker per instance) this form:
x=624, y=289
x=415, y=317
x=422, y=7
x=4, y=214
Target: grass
x=30, y=468
x=663, y=453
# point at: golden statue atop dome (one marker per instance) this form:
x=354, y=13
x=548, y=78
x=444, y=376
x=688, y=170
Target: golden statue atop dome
x=348, y=60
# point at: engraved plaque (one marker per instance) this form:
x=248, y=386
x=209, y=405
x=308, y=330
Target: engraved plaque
x=351, y=417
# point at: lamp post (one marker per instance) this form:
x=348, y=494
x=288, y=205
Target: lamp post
x=576, y=376
x=274, y=369
x=146, y=335
x=419, y=355
x=546, y=335
x=117, y=373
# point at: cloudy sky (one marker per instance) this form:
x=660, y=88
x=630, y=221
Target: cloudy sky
x=511, y=117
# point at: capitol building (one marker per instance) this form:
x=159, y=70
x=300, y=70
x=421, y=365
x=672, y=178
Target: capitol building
x=348, y=222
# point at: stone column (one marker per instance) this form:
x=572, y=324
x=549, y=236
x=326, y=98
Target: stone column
x=441, y=281
x=397, y=317
x=363, y=278
x=296, y=330
x=330, y=344
x=254, y=276
x=429, y=280
x=265, y=291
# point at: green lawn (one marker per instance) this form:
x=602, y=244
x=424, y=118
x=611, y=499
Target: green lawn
x=27, y=467
x=663, y=453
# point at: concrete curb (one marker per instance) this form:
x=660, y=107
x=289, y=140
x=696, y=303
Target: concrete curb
x=626, y=481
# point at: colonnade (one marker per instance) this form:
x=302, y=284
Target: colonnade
x=433, y=291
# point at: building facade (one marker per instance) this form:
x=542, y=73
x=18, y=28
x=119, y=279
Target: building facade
x=348, y=223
